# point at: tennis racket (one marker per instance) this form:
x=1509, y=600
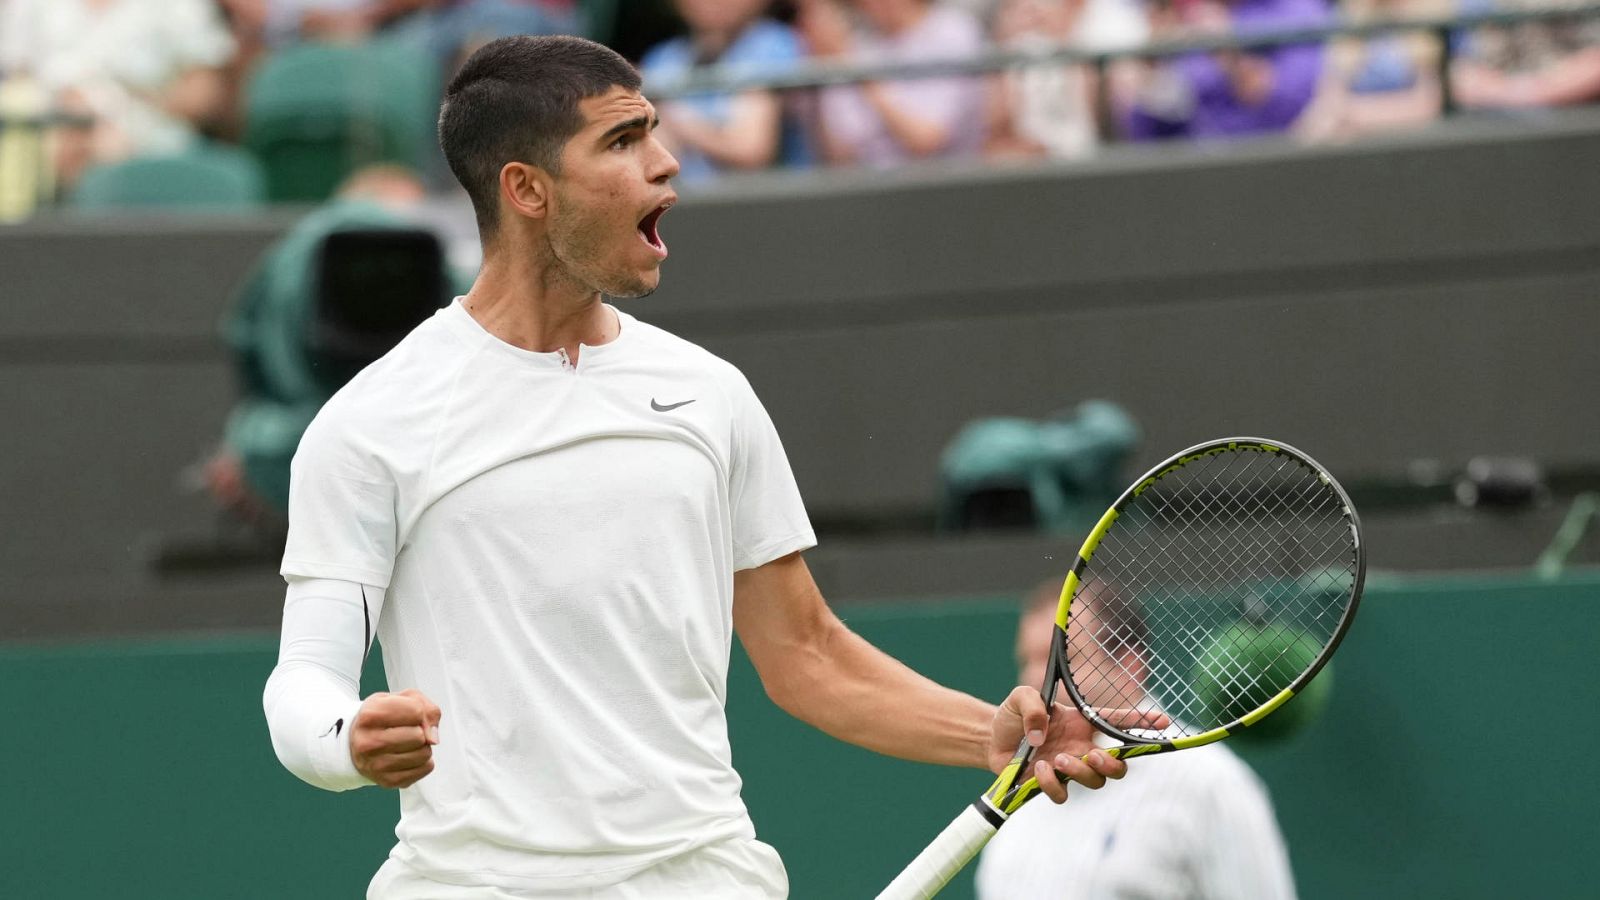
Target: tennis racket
x=1212, y=590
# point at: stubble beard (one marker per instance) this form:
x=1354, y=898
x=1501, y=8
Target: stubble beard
x=581, y=250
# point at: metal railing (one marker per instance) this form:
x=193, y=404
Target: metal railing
x=815, y=74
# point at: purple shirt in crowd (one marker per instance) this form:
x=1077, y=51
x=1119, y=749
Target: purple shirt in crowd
x=955, y=104
x=1216, y=111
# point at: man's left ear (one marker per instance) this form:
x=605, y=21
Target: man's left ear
x=526, y=189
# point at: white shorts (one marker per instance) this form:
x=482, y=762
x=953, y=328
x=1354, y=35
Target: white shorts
x=730, y=870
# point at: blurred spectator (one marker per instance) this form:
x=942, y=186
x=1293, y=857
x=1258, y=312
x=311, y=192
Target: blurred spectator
x=246, y=22
x=710, y=133
x=632, y=28
x=1231, y=93
x=1551, y=63
x=983, y=10
x=282, y=380
x=1051, y=110
x=882, y=123
x=455, y=28
x=450, y=28
x=148, y=73
x=287, y=21
x=1379, y=83
x=1195, y=825
x=444, y=30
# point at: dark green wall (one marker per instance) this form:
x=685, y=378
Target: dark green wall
x=1452, y=763
x=1426, y=296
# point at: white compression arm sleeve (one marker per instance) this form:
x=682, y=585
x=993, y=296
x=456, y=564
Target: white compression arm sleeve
x=313, y=695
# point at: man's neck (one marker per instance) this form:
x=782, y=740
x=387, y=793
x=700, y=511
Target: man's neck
x=532, y=303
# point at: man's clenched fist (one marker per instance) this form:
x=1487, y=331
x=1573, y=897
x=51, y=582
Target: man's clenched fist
x=393, y=737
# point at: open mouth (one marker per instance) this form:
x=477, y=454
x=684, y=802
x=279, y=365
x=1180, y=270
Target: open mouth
x=648, y=232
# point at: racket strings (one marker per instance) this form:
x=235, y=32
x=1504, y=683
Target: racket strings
x=1214, y=590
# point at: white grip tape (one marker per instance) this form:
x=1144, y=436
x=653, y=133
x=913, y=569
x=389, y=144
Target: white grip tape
x=948, y=854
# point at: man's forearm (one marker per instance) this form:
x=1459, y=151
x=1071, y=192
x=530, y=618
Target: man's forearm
x=309, y=714
x=819, y=671
x=853, y=691
x=1573, y=80
x=917, y=135
x=312, y=697
x=747, y=140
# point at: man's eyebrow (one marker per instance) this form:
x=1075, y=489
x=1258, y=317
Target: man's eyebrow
x=630, y=125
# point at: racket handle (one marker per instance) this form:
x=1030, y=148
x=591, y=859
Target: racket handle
x=948, y=854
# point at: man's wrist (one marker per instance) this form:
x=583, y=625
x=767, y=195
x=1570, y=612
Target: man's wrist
x=331, y=754
x=981, y=740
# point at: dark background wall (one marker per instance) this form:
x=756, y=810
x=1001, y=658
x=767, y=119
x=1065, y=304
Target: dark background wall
x=1373, y=305
x=1428, y=297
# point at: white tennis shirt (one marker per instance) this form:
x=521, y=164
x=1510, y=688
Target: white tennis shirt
x=558, y=545
x=1191, y=825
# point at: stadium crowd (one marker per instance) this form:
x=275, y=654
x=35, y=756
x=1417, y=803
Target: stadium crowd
x=120, y=79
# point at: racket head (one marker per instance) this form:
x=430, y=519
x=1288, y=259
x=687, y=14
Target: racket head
x=1236, y=564
x=1214, y=588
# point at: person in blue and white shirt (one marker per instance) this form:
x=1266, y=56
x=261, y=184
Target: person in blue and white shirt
x=714, y=133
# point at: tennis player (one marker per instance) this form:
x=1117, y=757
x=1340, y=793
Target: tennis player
x=555, y=516
x=1196, y=825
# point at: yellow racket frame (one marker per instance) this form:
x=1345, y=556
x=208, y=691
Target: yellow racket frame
x=1006, y=795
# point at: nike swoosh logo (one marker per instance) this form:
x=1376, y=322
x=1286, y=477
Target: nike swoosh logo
x=670, y=406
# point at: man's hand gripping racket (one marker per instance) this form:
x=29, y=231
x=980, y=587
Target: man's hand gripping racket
x=1059, y=743
x=1210, y=592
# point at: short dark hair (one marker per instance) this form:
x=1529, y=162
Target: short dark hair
x=516, y=100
